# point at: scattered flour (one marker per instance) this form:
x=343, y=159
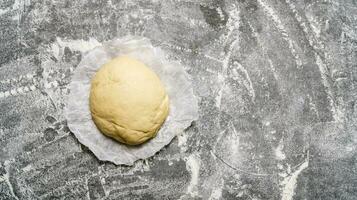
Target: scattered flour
x=289, y=183
x=193, y=166
x=279, y=154
x=75, y=45
x=217, y=191
x=182, y=139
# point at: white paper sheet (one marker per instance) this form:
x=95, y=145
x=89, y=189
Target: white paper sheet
x=183, y=104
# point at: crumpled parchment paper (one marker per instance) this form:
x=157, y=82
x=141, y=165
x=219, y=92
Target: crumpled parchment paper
x=183, y=104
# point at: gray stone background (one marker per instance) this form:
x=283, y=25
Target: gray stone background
x=275, y=79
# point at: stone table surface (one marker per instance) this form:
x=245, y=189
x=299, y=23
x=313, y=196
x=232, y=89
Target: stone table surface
x=275, y=81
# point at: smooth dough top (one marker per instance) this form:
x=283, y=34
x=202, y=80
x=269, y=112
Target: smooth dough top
x=128, y=102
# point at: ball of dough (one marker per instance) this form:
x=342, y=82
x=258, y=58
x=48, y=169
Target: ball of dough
x=128, y=102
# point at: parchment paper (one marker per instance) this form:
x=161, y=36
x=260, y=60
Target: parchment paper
x=183, y=104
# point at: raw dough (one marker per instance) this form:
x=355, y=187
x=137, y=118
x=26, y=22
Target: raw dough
x=128, y=102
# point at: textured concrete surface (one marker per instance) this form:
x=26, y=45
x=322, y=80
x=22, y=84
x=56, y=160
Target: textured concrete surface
x=276, y=82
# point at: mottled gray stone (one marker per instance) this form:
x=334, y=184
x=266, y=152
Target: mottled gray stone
x=275, y=80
